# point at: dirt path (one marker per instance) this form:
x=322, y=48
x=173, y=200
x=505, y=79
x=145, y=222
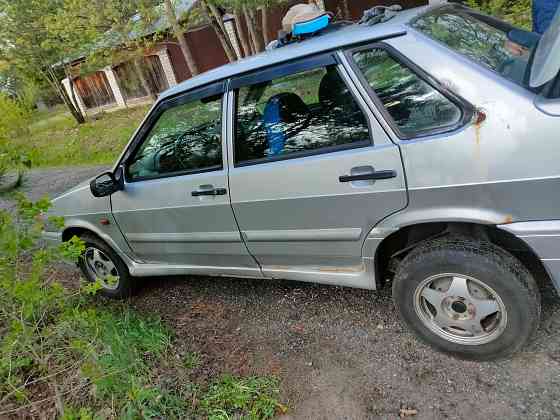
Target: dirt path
x=341, y=353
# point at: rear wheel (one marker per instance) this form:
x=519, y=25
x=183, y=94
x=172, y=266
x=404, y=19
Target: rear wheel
x=100, y=263
x=467, y=297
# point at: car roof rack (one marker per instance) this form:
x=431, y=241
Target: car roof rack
x=379, y=14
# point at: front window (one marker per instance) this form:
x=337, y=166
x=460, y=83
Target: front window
x=186, y=138
x=489, y=42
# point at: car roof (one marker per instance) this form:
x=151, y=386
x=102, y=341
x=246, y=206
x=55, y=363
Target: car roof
x=347, y=35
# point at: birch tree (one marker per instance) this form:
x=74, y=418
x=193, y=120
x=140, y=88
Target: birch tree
x=179, y=34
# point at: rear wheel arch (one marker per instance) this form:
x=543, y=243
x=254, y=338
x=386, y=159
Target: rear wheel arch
x=398, y=244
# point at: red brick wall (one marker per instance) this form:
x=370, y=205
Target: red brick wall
x=206, y=49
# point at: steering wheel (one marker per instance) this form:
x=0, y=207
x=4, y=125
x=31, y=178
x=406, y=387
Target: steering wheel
x=182, y=145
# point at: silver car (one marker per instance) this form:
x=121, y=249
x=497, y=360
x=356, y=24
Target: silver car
x=423, y=152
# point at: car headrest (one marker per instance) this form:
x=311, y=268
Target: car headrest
x=333, y=91
x=285, y=107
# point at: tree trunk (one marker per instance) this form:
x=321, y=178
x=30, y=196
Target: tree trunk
x=242, y=38
x=220, y=29
x=346, y=10
x=52, y=80
x=73, y=92
x=256, y=37
x=178, y=31
x=142, y=77
x=266, y=37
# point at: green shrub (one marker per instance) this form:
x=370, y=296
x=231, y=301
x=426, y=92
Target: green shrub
x=92, y=357
x=51, y=337
x=14, y=122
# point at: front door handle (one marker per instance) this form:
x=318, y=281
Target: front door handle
x=212, y=191
x=375, y=175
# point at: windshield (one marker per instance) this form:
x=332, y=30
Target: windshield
x=487, y=41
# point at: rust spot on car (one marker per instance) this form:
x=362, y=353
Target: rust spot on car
x=479, y=118
x=353, y=269
x=345, y=269
x=508, y=220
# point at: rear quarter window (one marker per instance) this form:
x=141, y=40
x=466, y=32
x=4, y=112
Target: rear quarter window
x=413, y=106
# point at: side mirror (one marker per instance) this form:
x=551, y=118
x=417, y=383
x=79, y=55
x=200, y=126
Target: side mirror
x=105, y=184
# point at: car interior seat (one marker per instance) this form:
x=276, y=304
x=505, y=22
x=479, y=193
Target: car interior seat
x=334, y=96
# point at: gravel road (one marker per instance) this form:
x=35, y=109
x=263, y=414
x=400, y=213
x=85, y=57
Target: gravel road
x=340, y=353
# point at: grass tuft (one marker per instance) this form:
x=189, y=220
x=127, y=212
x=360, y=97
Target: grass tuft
x=55, y=139
x=234, y=397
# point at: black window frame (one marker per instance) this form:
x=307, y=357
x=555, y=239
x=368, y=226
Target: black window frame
x=467, y=109
x=287, y=68
x=214, y=89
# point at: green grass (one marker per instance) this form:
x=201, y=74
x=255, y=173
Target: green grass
x=251, y=398
x=55, y=139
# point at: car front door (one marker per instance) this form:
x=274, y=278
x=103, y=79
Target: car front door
x=311, y=170
x=175, y=207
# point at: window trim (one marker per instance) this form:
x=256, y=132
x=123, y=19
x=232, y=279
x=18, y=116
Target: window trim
x=466, y=108
x=286, y=69
x=151, y=120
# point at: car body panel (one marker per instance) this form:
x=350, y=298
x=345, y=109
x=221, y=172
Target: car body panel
x=543, y=237
x=83, y=211
x=280, y=205
x=300, y=223
x=165, y=224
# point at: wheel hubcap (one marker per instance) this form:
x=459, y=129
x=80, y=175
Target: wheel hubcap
x=102, y=268
x=460, y=309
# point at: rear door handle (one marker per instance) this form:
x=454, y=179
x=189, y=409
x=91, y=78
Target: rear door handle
x=213, y=191
x=386, y=174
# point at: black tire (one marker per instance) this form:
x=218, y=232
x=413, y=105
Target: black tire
x=126, y=285
x=481, y=260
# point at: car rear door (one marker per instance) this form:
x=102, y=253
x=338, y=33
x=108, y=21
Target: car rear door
x=311, y=170
x=175, y=207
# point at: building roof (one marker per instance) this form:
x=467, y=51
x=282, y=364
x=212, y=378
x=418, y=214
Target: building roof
x=162, y=24
x=352, y=34
x=112, y=39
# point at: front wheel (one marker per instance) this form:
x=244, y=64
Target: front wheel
x=468, y=298
x=100, y=263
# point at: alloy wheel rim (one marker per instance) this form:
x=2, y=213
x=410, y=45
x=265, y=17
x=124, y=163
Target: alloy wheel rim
x=460, y=309
x=102, y=268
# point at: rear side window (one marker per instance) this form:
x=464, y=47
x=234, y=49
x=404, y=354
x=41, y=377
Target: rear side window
x=186, y=138
x=481, y=39
x=306, y=112
x=414, y=105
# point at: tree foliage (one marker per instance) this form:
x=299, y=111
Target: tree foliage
x=516, y=12
x=28, y=43
x=14, y=118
